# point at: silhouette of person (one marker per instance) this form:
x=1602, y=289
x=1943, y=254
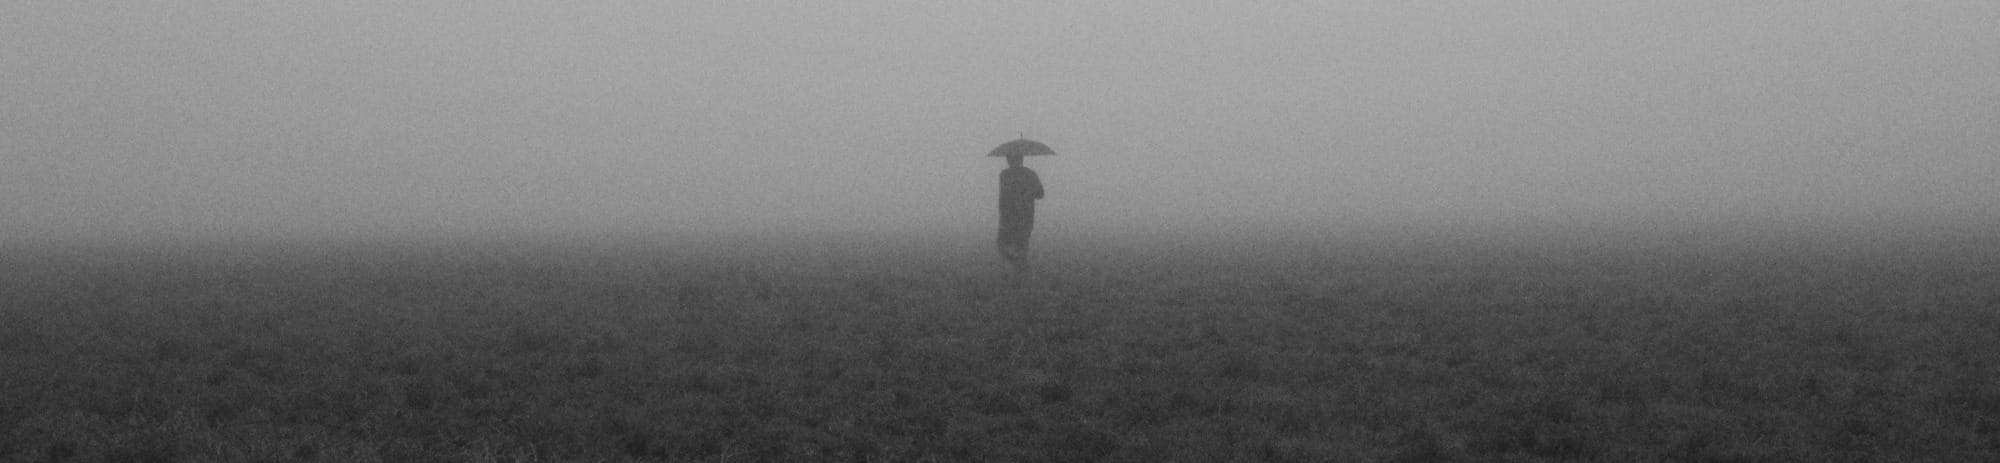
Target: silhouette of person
x=1019, y=188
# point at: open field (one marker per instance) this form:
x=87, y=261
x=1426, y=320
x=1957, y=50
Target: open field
x=1441, y=350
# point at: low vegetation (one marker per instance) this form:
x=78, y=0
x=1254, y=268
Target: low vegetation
x=1448, y=352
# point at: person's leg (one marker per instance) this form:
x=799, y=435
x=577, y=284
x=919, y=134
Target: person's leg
x=1007, y=252
x=1013, y=248
x=1021, y=249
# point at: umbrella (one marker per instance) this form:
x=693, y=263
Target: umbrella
x=1021, y=147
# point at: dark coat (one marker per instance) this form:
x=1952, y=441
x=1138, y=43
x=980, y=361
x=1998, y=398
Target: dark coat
x=1019, y=188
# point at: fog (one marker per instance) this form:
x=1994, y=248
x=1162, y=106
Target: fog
x=442, y=118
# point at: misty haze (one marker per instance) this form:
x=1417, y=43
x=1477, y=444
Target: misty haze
x=1614, y=230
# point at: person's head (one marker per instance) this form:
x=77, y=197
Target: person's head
x=1014, y=160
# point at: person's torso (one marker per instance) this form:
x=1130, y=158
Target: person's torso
x=1018, y=184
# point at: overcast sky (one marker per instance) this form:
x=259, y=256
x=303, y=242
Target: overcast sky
x=365, y=117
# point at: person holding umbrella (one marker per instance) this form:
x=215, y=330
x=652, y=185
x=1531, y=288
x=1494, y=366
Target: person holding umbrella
x=1019, y=188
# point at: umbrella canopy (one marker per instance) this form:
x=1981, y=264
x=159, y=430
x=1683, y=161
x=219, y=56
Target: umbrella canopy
x=1021, y=147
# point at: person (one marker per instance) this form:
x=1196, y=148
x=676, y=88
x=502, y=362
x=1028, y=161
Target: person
x=1019, y=188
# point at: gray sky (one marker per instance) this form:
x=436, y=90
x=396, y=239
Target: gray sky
x=363, y=117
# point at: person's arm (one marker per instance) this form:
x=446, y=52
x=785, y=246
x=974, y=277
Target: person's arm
x=1034, y=185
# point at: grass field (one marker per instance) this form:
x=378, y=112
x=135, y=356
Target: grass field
x=1421, y=350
